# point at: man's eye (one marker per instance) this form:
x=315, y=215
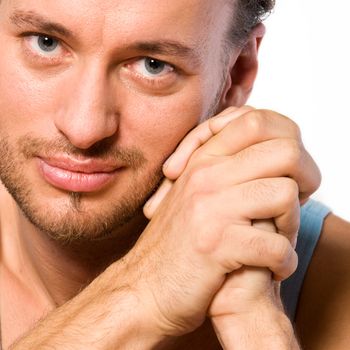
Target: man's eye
x=44, y=45
x=152, y=68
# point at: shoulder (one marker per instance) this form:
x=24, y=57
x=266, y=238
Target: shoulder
x=323, y=315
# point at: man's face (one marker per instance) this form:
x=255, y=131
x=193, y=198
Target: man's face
x=94, y=96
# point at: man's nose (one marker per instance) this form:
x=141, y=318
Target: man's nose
x=88, y=114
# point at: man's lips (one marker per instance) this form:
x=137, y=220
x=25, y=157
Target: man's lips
x=76, y=175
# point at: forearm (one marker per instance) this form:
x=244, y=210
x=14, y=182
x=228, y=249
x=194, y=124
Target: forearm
x=100, y=317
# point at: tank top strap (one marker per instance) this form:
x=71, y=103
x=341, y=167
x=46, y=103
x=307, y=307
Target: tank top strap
x=313, y=214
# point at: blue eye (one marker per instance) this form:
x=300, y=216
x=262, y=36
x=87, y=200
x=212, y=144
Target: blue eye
x=154, y=66
x=47, y=43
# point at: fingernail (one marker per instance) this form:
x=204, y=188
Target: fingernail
x=167, y=162
x=148, y=204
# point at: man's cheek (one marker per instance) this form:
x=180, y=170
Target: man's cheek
x=24, y=96
x=162, y=122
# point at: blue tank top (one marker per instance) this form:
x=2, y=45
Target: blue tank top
x=311, y=222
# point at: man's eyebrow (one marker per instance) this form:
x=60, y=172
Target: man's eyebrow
x=21, y=18
x=163, y=47
x=167, y=48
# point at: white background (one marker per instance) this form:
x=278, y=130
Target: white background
x=305, y=74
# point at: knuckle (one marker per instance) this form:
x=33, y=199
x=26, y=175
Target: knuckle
x=206, y=235
x=258, y=244
x=293, y=127
x=197, y=204
x=206, y=239
x=296, y=129
x=281, y=250
x=197, y=177
x=287, y=192
x=316, y=183
x=316, y=177
x=293, y=154
x=294, y=265
x=255, y=122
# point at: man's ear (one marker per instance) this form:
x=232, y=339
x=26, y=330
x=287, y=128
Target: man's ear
x=243, y=71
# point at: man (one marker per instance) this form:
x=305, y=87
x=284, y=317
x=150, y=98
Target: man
x=95, y=96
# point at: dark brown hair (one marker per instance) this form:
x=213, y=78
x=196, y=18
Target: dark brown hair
x=247, y=14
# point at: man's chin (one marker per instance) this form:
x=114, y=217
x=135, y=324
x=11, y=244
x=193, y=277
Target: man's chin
x=71, y=216
x=79, y=217
x=80, y=222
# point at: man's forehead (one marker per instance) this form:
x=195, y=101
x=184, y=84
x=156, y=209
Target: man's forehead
x=126, y=11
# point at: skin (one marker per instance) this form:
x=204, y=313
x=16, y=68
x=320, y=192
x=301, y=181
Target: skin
x=92, y=93
x=104, y=61
x=100, y=55
x=321, y=322
x=115, y=93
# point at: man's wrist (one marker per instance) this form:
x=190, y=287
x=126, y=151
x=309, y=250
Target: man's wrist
x=134, y=325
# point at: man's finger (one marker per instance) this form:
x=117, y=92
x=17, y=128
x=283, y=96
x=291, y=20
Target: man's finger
x=248, y=129
x=274, y=158
x=256, y=248
x=153, y=203
x=177, y=162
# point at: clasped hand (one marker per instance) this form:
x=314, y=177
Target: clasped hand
x=207, y=249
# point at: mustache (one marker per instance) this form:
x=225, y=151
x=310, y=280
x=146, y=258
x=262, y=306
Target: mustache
x=104, y=150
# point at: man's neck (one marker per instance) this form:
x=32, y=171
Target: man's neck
x=63, y=270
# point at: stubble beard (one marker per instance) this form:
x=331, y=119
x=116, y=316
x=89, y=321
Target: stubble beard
x=69, y=220
x=71, y=223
